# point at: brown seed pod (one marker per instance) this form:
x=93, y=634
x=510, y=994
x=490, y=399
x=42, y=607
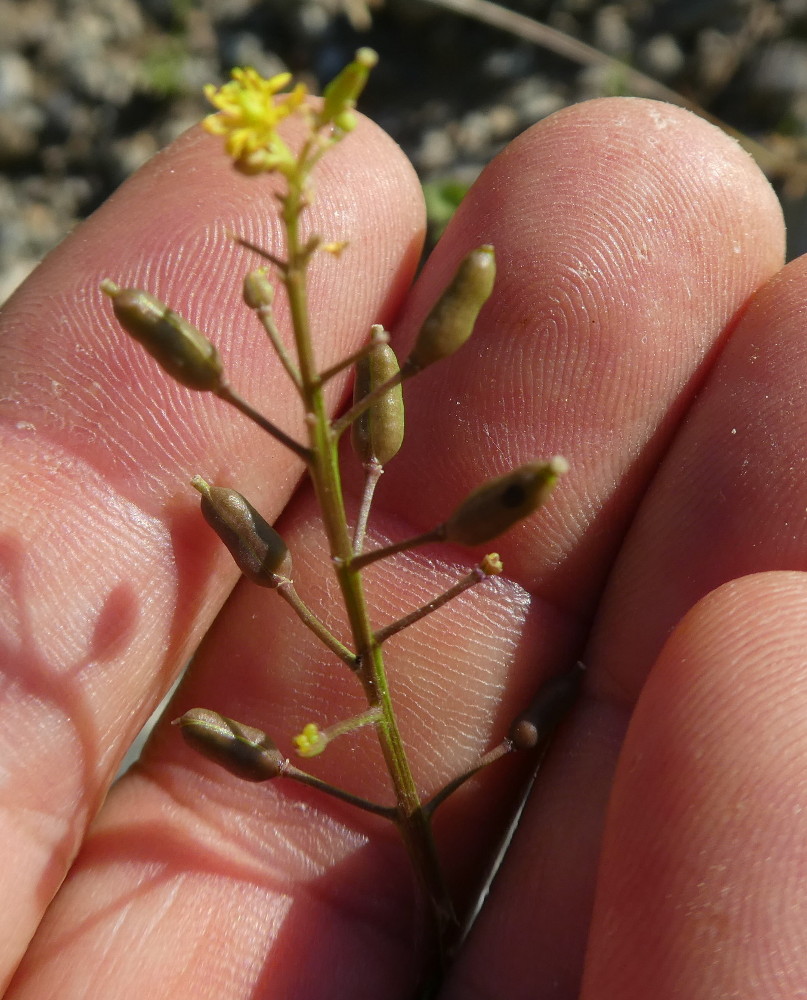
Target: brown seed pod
x=180, y=349
x=500, y=503
x=555, y=699
x=378, y=433
x=258, y=550
x=244, y=751
x=452, y=319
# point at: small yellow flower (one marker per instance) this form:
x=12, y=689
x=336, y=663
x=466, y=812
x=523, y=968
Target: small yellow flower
x=335, y=247
x=311, y=741
x=249, y=114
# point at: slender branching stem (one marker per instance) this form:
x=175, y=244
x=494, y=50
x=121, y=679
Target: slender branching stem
x=267, y=318
x=435, y=535
x=367, y=401
x=229, y=395
x=378, y=335
x=373, y=472
x=504, y=748
x=289, y=594
x=477, y=575
x=324, y=469
x=368, y=718
x=341, y=728
x=290, y=771
x=279, y=263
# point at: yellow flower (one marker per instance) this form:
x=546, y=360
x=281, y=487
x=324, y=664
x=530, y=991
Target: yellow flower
x=249, y=114
x=311, y=741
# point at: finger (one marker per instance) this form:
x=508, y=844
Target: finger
x=701, y=879
x=729, y=500
x=614, y=222
x=106, y=586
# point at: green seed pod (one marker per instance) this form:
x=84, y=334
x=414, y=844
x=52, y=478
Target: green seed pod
x=178, y=347
x=451, y=321
x=378, y=432
x=242, y=750
x=259, y=551
x=555, y=699
x=499, y=503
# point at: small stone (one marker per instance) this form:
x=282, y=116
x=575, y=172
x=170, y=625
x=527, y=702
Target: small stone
x=16, y=80
x=662, y=57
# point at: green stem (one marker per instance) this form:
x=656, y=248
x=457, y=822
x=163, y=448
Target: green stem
x=378, y=335
x=355, y=411
x=324, y=468
x=266, y=317
x=288, y=592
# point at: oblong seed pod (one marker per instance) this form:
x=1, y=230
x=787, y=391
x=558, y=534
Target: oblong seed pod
x=500, y=503
x=242, y=750
x=258, y=550
x=180, y=349
x=378, y=433
x=451, y=321
x=554, y=700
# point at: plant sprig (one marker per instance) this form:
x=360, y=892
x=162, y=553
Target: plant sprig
x=250, y=109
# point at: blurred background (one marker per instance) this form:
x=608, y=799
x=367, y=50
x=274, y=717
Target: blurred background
x=90, y=89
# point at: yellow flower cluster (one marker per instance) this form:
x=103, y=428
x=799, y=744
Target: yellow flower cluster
x=250, y=111
x=311, y=741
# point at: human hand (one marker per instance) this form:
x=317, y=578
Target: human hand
x=630, y=237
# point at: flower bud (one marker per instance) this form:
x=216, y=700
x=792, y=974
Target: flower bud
x=492, y=565
x=181, y=350
x=258, y=289
x=554, y=700
x=258, y=550
x=378, y=432
x=341, y=94
x=451, y=321
x=499, y=503
x=242, y=750
x=311, y=742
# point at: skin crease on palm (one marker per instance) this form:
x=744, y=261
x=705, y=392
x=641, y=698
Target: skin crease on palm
x=644, y=327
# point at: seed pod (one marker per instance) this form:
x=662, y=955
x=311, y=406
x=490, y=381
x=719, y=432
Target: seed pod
x=181, y=350
x=451, y=321
x=259, y=551
x=499, y=503
x=242, y=750
x=378, y=432
x=555, y=699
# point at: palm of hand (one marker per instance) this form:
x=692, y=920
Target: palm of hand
x=631, y=238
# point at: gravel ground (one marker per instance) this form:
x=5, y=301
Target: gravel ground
x=90, y=89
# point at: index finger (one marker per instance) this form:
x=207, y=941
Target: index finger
x=106, y=588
